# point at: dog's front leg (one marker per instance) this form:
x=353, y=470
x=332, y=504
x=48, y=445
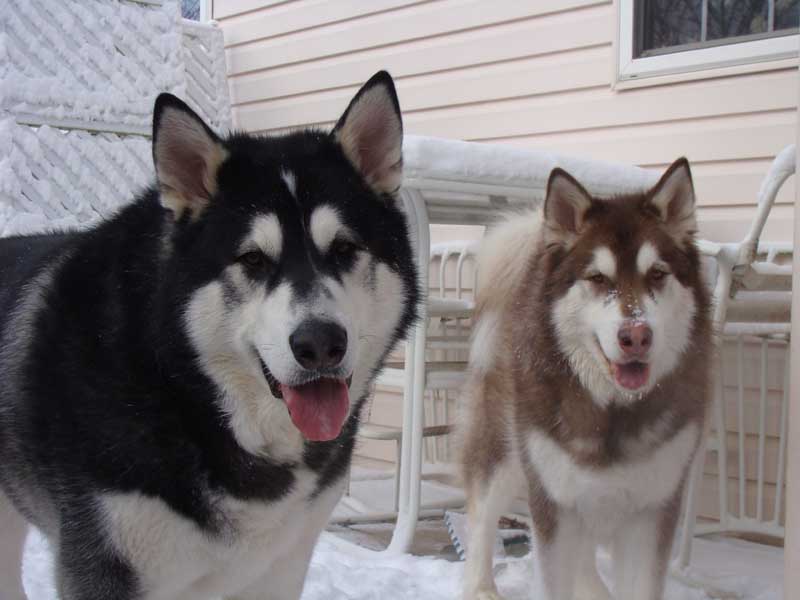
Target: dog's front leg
x=490, y=496
x=560, y=538
x=285, y=577
x=589, y=585
x=641, y=551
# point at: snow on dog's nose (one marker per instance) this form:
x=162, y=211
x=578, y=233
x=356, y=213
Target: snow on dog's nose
x=318, y=344
x=635, y=339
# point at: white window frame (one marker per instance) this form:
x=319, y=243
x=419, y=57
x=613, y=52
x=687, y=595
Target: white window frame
x=690, y=61
x=206, y=10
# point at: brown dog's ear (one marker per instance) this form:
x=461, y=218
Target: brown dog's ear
x=370, y=133
x=674, y=200
x=187, y=156
x=565, y=206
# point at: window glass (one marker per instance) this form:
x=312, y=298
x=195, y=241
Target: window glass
x=732, y=18
x=787, y=14
x=663, y=26
x=190, y=9
x=666, y=23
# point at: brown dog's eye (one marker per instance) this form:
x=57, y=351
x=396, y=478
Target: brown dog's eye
x=598, y=279
x=657, y=274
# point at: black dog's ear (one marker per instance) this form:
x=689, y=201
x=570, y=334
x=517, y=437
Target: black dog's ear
x=186, y=154
x=370, y=133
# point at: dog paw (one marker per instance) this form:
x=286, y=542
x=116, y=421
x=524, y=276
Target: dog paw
x=484, y=595
x=593, y=593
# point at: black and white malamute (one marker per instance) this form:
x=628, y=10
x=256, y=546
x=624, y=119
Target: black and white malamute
x=181, y=385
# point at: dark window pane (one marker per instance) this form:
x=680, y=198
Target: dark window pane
x=731, y=18
x=787, y=14
x=190, y=9
x=667, y=23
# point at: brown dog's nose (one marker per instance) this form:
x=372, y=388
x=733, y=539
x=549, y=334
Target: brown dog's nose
x=635, y=338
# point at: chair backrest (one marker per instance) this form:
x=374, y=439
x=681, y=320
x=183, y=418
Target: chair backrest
x=753, y=312
x=752, y=389
x=456, y=267
x=451, y=298
x=77, y=98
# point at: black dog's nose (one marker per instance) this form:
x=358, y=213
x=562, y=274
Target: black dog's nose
x=318, y=344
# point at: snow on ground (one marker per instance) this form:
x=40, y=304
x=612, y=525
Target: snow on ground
x=340, y=571
x=346, y=567
x=343, y=571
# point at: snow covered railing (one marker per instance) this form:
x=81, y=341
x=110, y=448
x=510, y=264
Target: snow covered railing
x=76, y=102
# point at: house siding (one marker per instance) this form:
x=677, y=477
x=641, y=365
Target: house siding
x=530, y=74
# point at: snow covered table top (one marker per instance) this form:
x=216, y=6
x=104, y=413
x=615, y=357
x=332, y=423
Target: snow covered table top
x=469, y=182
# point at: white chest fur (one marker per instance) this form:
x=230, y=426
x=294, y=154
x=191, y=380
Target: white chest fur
x=174, y=558
x=605, y=496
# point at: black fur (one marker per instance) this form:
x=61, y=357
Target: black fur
x=109, y=396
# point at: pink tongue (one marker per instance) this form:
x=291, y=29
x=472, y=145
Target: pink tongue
x=632, y=375
x=318, y=409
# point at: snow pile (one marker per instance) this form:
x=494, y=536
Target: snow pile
x=342, y=571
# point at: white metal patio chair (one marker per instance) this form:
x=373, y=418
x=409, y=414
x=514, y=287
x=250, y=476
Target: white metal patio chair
x=752, y=296
x=476, y=181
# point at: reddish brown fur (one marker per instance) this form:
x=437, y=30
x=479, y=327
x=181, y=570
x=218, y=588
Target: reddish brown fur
x=542, y=391
x=547, y=395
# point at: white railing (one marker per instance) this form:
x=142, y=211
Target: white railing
x=77, y=101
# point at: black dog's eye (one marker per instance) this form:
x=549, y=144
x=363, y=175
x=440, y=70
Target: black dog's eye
x=342, y=249
x=254, y=259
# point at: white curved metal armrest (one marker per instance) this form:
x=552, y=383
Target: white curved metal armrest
x=780, y=170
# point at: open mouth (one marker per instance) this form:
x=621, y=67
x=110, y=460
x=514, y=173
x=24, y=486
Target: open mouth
x=632, y=375
x=318, y=407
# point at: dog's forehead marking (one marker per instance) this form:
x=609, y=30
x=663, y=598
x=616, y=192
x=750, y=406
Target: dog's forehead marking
x=325, y=225
x=290, y=180
x=604, y=261
x=266, y=234
x=647, y=257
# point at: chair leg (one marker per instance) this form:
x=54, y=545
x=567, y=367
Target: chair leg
x=690, y=506
x=412, y=445
x=414, y=392
x=399, y=449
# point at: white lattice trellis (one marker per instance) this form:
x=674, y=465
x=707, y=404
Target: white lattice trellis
x=77, y=84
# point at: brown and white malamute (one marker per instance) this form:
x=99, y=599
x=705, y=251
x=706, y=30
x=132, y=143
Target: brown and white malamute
x=589, y=382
